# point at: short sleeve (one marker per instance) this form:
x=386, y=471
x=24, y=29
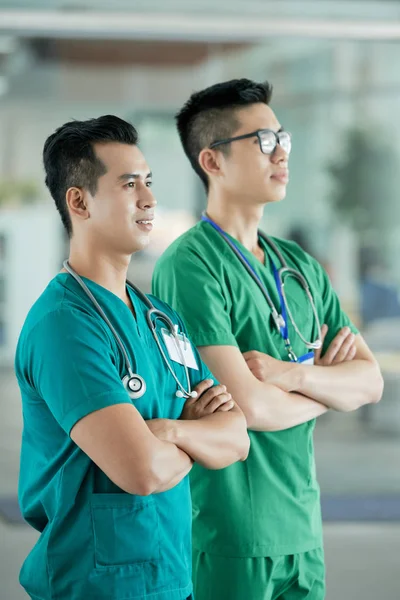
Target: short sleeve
x=184, y=281
x=333, y=315
x=70, y=362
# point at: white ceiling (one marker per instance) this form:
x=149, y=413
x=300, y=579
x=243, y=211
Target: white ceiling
x=201, y=20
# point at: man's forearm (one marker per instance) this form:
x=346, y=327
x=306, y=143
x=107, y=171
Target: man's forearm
x=215, y=441
x=170, y=465
x=266, y=406
x=272, y=409
x=343, y=387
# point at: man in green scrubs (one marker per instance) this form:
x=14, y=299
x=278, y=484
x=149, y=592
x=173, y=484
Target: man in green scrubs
x=257, y=525
x=103, y=469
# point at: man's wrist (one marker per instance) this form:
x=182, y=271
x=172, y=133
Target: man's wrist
x=171, y=431
x=180, y=433
x=298, y=376
x=163, y=429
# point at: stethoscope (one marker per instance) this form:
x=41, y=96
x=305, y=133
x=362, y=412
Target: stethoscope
x=280, y=319
x=134, y=384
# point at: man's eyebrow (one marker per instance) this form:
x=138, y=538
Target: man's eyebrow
x=127, y=176
x=273, y=129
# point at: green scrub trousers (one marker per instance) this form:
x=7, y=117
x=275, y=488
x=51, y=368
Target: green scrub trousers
x=289, y=577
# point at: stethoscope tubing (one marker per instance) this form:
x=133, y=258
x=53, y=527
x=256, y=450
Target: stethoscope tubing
x=187, y=393
x=278, y=319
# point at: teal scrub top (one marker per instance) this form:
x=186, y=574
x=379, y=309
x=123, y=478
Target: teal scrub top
x=96, y=541
x=269, y=504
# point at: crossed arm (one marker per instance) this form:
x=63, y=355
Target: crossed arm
x=276, y=395
x=212, y=428
x=146, y=457
x=345, y=378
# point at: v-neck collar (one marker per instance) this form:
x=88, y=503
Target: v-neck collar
x=270, y=257
x=120, y=305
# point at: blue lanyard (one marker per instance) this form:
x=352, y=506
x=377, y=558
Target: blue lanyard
x=284, y=331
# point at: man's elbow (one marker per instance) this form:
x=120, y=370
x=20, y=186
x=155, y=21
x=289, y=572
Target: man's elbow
x=144, y=488
x=235, y=426
x=243, y=446
x=239, y=445
x=239, y=450
x=372, y=395
x=144, y=482
x=238, y=454
x=140, y=486
x=242, y=440
x=377, y=387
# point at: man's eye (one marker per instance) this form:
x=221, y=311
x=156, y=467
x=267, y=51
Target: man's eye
x=131, y=184
x=149, y=183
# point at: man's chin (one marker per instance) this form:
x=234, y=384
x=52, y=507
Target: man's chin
x=274, y=198
x=140, y=243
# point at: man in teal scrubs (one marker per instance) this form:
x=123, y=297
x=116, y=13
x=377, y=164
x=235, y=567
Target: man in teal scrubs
x=257, y=526
x=104, y=468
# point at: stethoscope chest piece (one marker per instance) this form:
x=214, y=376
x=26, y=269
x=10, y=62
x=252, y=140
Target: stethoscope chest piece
x=135, y=386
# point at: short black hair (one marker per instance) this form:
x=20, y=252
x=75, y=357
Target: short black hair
x=210, y=115
x=70, y=161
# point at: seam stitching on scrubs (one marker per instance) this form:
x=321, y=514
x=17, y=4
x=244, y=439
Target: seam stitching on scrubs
x=223, y=340
x=195, y=335
x=269, y=551
x=69, y=309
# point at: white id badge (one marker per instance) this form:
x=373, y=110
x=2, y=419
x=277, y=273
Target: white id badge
x=307, y=359
x=186, y=349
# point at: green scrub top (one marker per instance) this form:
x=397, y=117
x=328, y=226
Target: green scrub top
x=97, y=542
x=268, y=505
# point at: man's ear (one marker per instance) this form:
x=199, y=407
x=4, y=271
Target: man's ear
x=76, y=202
x=210, y=161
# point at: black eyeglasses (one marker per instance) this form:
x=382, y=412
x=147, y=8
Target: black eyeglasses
x=267, y=138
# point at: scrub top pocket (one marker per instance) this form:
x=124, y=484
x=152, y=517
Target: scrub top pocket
x=125, y=530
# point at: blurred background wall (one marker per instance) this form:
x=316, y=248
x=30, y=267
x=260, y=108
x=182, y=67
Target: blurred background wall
x=336, y=76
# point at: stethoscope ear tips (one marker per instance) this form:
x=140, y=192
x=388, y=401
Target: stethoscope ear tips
x=180, y=394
